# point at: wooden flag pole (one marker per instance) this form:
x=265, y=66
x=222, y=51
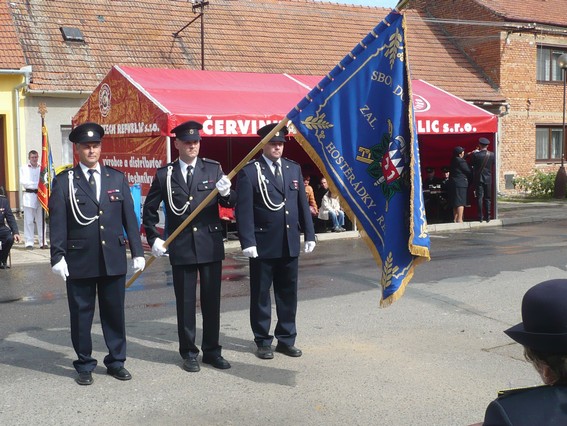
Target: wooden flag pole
x=212, y=195
x=401, y=4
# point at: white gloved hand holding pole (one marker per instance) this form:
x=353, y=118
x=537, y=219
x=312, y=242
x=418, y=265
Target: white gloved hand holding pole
x=251, y=252
x=138, y=264
x=61, y=269
x=157, y=248
x=309, y=246
x=223, y=185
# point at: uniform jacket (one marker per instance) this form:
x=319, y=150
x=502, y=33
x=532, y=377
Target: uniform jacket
x=272, y=231
x=541, y=406
x=460, y=173
x=482, y=174
x=6, y=215
x=201, y=241
x=98, y=249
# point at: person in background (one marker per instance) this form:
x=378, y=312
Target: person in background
x=271, y=212
x=8, y=230
x=309, y=193
x=482, y=162
x=198, y=250
x=459, y=176
x=90, y=208
x=444, y=204
x=331, y=209
x=431, y=187
x=543, y=336
x=33, y=212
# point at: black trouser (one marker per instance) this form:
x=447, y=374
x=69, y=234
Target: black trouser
x=7, y=240
x=483, y=199
x=185, y=286
x=81, y=295
x=282, y=272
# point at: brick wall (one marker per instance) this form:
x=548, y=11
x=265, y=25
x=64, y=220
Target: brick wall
x=507, y=59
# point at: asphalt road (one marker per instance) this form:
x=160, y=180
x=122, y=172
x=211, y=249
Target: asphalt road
x=436, y=357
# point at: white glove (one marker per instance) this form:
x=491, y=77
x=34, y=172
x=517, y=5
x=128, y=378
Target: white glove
x=250, y=252
x=223, y=185
x=158, y=249
x=138, y=264
x=61, y=269
x=309, y=246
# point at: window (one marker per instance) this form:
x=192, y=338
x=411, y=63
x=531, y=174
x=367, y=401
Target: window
x=548, y=143
x=66, y=146
x=547, y=67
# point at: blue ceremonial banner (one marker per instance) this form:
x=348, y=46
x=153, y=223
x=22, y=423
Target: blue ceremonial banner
x=358, y=125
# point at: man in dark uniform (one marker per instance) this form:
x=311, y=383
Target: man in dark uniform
x=89, y=209
x=482, y=162
x=199, y=248
x=271, y=212
x=8, y=231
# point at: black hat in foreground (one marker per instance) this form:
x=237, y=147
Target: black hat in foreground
x=188, y=131
x=458, y=150
x=544, y=318
x=86, y=133
x=278, y=137
x=484, y=141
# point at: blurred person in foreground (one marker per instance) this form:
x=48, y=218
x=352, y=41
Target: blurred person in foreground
x=543, y=335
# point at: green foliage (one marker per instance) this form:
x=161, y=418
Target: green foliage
x=538, y=184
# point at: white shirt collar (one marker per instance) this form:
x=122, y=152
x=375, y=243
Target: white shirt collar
x=85, y=169
x=271, y=162
x=184, y=165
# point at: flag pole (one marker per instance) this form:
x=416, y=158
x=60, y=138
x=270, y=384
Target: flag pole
x=42, y=109
x=212, y=195
x=401, y=5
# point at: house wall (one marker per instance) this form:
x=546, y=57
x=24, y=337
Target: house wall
x=60, y=111
x=507, y=58
x=9, y=163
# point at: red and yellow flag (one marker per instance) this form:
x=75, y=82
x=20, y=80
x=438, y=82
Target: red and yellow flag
x=45, y=175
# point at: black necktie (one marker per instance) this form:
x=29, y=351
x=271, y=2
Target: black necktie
x=277, y=173
x=92, y=182
x=189, y=177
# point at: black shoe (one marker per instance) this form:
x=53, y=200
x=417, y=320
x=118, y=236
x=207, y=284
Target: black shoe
x=29, y=247
x=191, y=365
x=119, y=373
x=217, y=362
x=264, y=352
x=3, y=265
x=85, y=378
x=288, y=350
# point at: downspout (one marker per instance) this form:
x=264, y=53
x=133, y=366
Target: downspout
x=26, y=72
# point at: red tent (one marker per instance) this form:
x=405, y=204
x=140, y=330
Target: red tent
x=138, y=107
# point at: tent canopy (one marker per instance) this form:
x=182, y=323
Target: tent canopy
x=149, y=101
